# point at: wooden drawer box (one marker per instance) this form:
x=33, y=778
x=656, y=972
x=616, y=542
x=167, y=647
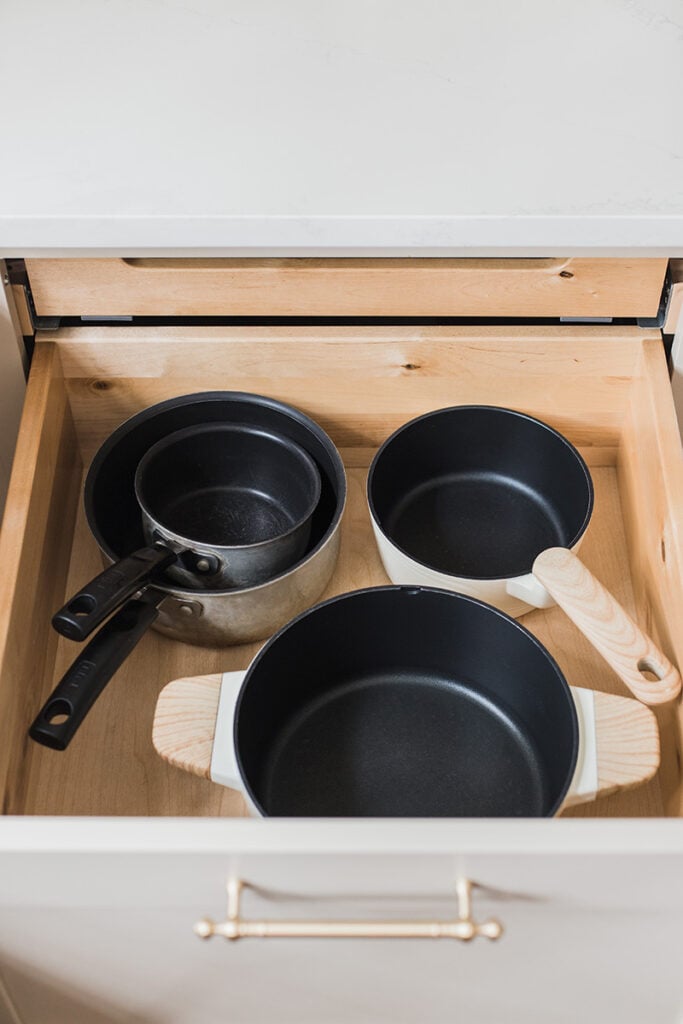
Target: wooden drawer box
x=607, y=388
x=569, y=287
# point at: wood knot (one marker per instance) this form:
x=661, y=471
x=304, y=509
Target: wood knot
x=101, y=385
x=566, y=273
x=411, y=366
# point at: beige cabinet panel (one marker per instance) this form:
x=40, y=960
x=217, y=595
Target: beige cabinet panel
x=587, y=938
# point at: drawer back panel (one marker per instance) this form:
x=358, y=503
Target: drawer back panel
x=555, y=287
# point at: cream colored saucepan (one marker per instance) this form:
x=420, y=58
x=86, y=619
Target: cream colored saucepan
x=493, y=503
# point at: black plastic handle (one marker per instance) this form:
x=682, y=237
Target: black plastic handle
x=98, y=599
x=74, y=695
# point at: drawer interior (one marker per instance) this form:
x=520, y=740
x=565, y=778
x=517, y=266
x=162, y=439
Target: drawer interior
x=606, y=388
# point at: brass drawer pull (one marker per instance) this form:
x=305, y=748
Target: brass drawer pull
x=463, y=927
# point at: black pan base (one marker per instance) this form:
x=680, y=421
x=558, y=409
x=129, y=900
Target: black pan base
x=405, y=702
x=404, y=746
x=475, y=524
x=225, y=516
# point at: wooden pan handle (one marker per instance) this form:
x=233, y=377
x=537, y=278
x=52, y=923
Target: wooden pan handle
x=185, y=723
x=618, y=745
x=628, y=742
x=609, y=628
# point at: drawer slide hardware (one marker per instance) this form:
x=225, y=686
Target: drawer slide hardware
x=659, y=320
x=462, y=928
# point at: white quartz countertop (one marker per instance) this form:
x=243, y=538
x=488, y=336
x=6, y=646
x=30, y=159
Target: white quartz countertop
x=355, y=127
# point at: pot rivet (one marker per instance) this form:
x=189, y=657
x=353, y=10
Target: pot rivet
x=203, y=564
x=186, y=609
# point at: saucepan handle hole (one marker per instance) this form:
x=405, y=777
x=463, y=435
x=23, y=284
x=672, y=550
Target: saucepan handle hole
x=58, y=712
x=82, y=605
x=650, y=670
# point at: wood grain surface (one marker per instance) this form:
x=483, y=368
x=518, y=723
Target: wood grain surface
x=554, y=287
x=628, y=742
x=632, y=654
x=184, y=724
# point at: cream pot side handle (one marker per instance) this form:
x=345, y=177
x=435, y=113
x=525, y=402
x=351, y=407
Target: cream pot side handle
x=530, y=590
x=224, y=769
x=603, y=622
x=584, y=785
x=185, y=723
x=618, y=745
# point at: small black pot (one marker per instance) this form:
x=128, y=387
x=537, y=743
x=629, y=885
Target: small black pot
x=233, y=501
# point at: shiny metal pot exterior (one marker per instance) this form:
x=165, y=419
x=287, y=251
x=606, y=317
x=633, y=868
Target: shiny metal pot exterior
x=191, y=614
x=211, y=619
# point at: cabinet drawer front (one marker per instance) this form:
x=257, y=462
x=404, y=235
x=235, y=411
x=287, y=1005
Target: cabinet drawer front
x=570, y=287
x=586, y=937
x=607, y=388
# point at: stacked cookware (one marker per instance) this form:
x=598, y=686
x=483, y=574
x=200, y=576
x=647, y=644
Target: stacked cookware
x=219, y=514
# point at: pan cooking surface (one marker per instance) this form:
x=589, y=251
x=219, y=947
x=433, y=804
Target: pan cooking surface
x=405, y=701
x=475, y=524
x=227, y=516
x=479, y=491
x=110, y=500
x=403, y=745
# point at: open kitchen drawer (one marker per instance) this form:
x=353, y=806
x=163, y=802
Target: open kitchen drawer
x=607, y=389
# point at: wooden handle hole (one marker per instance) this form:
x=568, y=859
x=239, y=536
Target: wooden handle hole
x=650, y=670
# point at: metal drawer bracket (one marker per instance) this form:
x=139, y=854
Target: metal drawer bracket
x=660, y=319
x=586, y=319
x=462, y=928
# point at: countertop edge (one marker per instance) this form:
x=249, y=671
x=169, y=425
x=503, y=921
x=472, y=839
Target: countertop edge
x=368, y=236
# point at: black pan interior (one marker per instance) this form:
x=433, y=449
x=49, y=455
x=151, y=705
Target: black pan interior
x=228, y=485
x=110, y=502
x=479, y=491
x=411, y=702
